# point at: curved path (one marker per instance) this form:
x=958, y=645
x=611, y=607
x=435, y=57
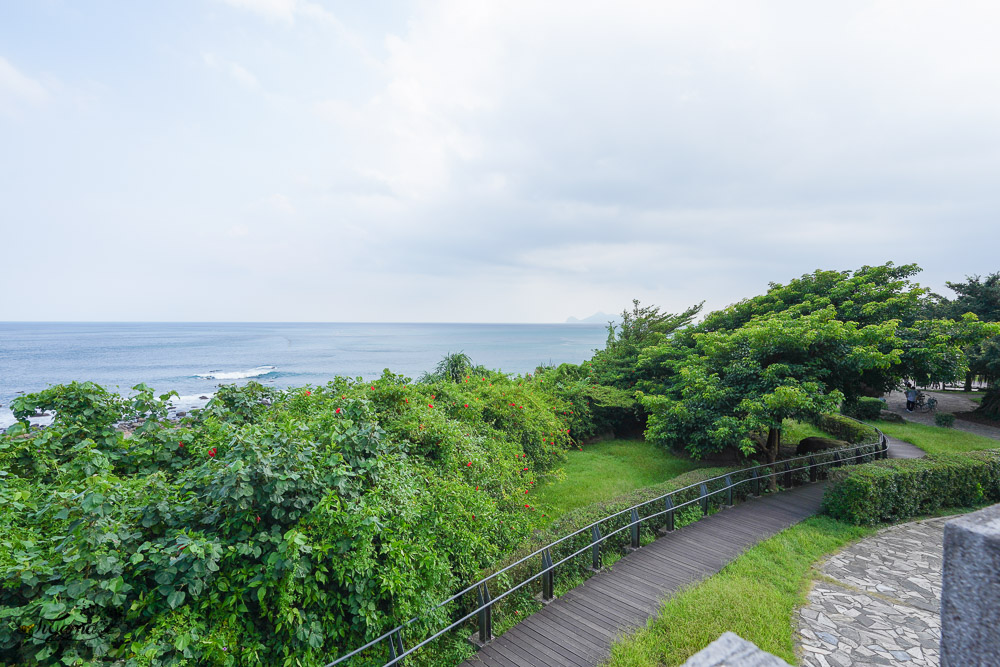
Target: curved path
x=878, y=601
x=949, y=402
x=577, y=629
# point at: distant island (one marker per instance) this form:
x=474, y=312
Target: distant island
x=596, y=318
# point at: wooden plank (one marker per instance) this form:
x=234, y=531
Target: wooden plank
x=572, y=640
x=547, y=647
x=604, y=615
x=526, y=647
x=569, y=615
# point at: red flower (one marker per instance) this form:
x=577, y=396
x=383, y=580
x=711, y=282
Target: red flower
x=430, y=405
x=526, y=506
x=211, y=452
x=338, y=411
x=432, y=397
x=308, y=393
x=525, y=470
x=466, y=405
x=469, y=464
x=373, y=388
x=473, y=516
x=525, y=490
x=258, y=519
x=180, y=444
x=477, y=488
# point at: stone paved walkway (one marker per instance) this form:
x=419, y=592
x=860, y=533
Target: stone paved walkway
x=877, y=602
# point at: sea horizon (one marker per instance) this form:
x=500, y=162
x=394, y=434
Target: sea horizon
x=194, y=358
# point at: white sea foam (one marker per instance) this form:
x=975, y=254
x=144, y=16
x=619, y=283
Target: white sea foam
x=236, y=375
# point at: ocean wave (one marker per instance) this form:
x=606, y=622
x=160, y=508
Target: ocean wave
x=257, y=372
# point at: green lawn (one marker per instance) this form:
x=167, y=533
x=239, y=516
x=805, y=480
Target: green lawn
x=754, y=596
x=937, y=440
x=607, y=469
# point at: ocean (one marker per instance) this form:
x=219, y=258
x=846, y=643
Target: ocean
x=194, y=358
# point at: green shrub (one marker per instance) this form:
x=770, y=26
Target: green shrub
x=893, y=490
x=944, y=419
x=864, y=407
x=271, y=527
x=845, y=428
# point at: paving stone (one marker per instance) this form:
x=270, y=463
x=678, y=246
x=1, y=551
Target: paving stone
x=884, y=607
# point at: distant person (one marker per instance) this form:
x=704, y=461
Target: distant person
x=911, y=397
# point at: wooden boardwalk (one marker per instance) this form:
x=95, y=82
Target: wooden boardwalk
x=578, y=628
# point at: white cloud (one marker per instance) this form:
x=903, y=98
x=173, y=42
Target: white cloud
x=239, y=73
x=17, y=89
x=283, y=10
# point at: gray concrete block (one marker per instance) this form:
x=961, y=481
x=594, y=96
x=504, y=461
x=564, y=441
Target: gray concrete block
x=970, y=597
x=731, y=650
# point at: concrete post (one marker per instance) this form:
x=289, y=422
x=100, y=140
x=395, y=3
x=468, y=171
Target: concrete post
x=970, y=596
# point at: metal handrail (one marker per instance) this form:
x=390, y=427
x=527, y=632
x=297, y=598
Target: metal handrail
x=394, y=635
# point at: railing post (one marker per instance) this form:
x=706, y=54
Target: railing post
x=395, y=645
x=857, y=455
x=595, y=549
x=756, y=482
x=788, y=476
x=885, y=447
x=729, y=491
x=704, y=500
x=813, y=473
x=635, y=528
x=668, y=505
x=836, y=459
x=547, y=576
x=485, y=613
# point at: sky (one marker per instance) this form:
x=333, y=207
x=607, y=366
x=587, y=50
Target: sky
x=483, y=161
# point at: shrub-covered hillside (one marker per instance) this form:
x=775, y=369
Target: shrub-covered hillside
x=272, y=527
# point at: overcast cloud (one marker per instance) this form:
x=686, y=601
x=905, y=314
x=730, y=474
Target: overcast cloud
x=483, y=161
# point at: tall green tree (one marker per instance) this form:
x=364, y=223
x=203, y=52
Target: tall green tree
x=798, y=350
x=617, y=365
x=980, y=296
x=731, y=385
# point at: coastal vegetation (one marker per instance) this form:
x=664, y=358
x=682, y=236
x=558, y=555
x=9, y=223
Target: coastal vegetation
x=291, y=526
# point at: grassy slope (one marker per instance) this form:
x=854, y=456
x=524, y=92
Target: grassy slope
x=937, y=440
x=754, y=596
x=607, y=469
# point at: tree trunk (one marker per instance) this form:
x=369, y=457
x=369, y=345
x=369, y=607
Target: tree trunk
x=990, y=407
x=772, y=449
x=968, y=382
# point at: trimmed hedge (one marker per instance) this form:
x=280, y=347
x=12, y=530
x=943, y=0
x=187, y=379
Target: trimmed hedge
x=846, y=428
x=863, y=407
x=893, y=490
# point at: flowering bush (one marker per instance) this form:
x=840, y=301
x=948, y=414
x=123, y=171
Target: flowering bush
x=271, y=527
